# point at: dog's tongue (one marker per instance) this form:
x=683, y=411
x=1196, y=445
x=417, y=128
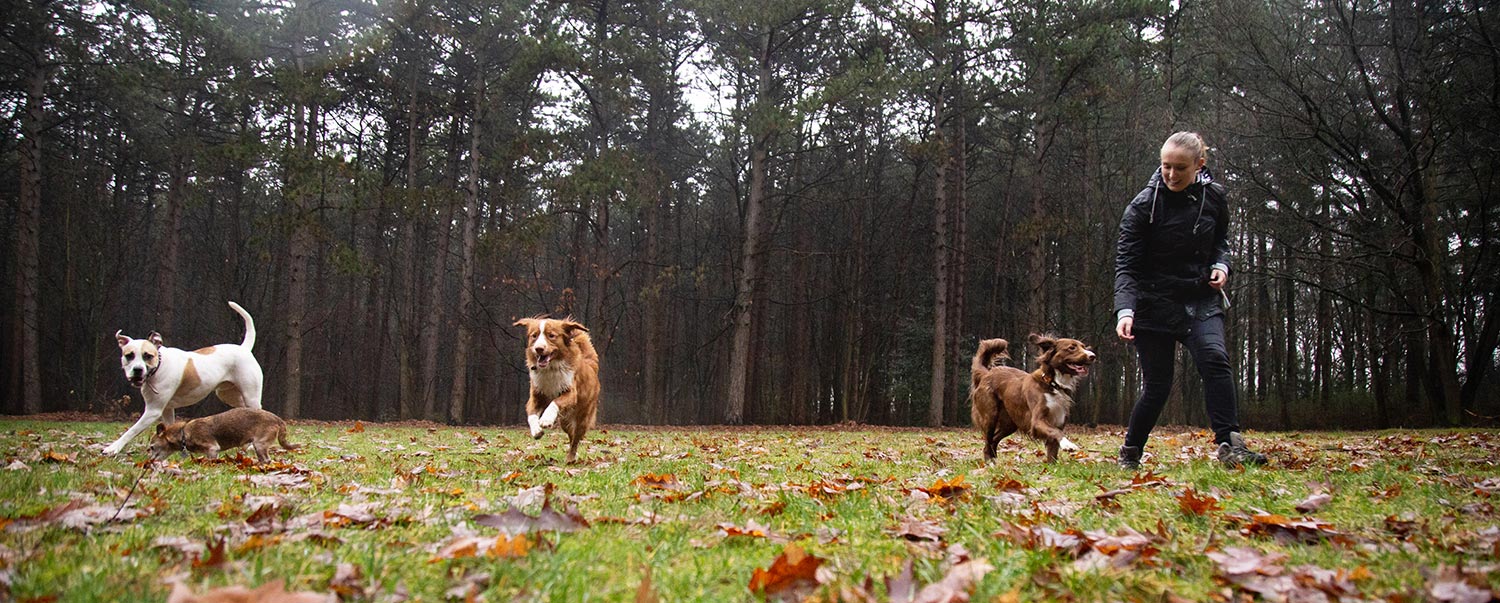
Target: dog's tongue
x=1080, y=369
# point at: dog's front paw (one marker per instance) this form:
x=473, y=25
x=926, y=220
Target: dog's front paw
x=112, y=449
x=1067, y=445
x=549, y=416
x=536, y=426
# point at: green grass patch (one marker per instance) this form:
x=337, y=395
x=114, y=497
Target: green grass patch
x=383, y=514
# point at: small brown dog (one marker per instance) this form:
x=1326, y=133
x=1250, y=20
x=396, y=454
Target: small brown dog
x=229, y=429
x=564, y=378
x=1006, y=399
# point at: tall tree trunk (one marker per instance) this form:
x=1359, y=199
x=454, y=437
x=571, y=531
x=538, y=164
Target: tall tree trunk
x=435, y=291
x=1288, y=379
x=28, y=242
x=750, y=261
x=171, y=243
x=655, y=334
x=407, y=307
x=458, y=393
x=304, y=141
x=940, y=269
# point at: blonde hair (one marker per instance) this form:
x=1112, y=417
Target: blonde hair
x=1190, y=142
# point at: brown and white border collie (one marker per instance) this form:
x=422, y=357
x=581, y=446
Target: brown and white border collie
x=1006, y=399
x=564, y=378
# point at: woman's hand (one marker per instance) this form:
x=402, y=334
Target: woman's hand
x=1216, y=279
x=1123, y=327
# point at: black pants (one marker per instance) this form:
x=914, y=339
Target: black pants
x=1157, y=353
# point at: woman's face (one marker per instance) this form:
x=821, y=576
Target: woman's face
x=1178, y=167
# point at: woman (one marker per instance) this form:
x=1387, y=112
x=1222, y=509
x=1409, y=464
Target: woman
x=1170, y=271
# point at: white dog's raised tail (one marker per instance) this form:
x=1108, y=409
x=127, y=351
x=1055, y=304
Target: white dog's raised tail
x=249, y=342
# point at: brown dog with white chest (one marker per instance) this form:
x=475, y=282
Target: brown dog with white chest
x=229, y=429
x=564, y=378
x=1006, y=399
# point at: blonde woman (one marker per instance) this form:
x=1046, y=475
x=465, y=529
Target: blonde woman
x=1170, y=271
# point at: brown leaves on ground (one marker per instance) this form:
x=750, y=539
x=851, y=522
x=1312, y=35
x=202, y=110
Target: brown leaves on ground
x=1457, y=585
x=1313, y=502
x=1262, y=574
x=513, y=521
x=1091, y=549
x=941, y=490
x=956, y=586
x=1285, y=529
x=792, y=575
x=502, y=547
x=919, y=530
x=1192, y=503
x=80, y=514
x=273, y=592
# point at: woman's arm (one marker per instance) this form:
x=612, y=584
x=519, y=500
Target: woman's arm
x=1129, y=251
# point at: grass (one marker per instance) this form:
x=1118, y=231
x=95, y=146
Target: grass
x=1404, y=505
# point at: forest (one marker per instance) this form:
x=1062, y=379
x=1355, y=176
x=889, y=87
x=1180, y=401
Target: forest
x=776, y=212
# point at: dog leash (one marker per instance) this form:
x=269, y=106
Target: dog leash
x=133, y=486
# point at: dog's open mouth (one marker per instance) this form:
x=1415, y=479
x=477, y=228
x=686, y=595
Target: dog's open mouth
x=542, y=360
x=137, y=381
x=1079, y=369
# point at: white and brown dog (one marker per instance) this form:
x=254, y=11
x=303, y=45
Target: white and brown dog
x=1006, y=399
x=564, y=378
x=170, y=378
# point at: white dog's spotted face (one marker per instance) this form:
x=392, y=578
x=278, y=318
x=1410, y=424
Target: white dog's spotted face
x=139, y=357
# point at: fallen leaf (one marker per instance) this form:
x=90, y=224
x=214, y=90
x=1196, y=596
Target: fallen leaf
x=902, y=588
x=359, y=427
x=1285, y=529
x=58, y=457
x=1193, y=504
x=347, y=582
x=273, y=592
x=792, y=575
x=918, y=530
x=215, y=558
x=956, y=585
x=513, y=521
x=1242, y=560
x=1314, y=502
x=662, y=481
x=473, y=546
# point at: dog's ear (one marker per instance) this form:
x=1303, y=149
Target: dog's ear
x=524, y=322
x=160, y=428
x=156, y=339
x=571, y=328
x=123, y=340
x=1045, y=342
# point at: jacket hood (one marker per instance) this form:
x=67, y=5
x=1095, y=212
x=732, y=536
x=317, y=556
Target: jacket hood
x=1205, y=177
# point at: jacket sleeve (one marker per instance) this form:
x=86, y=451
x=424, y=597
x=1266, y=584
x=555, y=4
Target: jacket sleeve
x=1221, y=257
x=1129, y=254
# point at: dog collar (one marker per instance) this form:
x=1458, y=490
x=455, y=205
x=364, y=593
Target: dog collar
x=1052, y=384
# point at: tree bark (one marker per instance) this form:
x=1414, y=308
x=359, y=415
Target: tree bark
x=940, y=270
x=28, y=241
x=300, y=247
x=459, y=392
x=750, y=261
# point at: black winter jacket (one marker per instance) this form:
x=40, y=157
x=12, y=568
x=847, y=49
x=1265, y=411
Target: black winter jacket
x=1169, y=243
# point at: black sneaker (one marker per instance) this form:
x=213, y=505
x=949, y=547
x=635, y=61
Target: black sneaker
x=1130, y=458
x=1234, y=454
